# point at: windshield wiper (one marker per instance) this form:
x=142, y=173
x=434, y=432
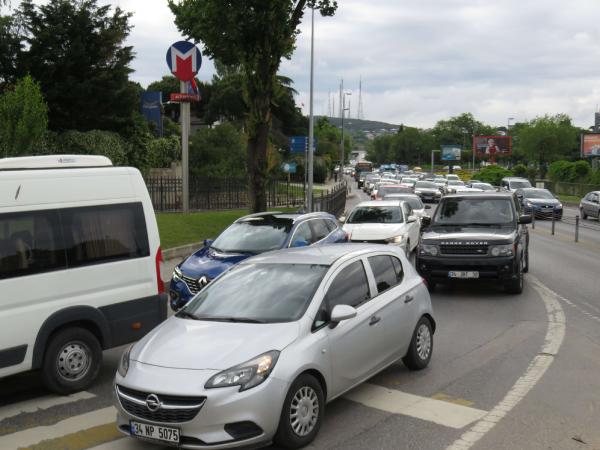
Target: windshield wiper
x=232, y=319
x=186, y=315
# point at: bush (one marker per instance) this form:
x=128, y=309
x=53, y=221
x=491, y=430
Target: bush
x=94, y=142
x=163, y=151
x=582, y=170
x=492, y=174
x=319, y=173
x=218, y=152
x=520, y=170
x=562, y=171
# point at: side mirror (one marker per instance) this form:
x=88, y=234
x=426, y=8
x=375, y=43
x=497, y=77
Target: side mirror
x=342, y=219
x=208, y=242
x=425, y=221
x=427, y=206
x=411, y=219
x=341, y=313
x=525, y=219
x=299, y=243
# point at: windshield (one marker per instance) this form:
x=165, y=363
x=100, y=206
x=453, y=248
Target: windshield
x=263, y=293
x=455, y=183
x=520, y=184
x=474, y=211
x=414, y=202
x=376, y=214
x=483, y=186
x=542, y=193
x=425, y=185
x=254, y=235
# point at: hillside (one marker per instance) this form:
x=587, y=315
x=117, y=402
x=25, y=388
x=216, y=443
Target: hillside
x=357, y=125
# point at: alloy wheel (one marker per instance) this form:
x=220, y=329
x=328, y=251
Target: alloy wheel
x=304, y=411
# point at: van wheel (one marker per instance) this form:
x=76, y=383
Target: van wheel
x=421, y=346
x=72, y=360
x=302, y=413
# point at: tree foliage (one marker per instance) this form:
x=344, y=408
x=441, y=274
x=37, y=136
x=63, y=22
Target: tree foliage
x=218, y=151
x=23, y=118
x=253, y=35
x=10, y=48
x=76, y=50
x=492, y=174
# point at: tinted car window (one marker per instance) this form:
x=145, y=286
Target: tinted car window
x=259, y=292
x=534, y=193
x=320, y=229
x=520, y=184
x=30, y=243
x=465, y=211
x=105, y=233
x=376, y=214
x=254, y=235
x=386, y=274
x=350, y=287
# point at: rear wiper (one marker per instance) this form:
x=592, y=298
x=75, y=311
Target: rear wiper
x=186, y=315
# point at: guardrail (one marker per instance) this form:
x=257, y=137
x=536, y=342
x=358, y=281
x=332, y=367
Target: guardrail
x=576, y=222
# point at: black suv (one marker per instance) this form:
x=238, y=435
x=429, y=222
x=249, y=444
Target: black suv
x=476, y=236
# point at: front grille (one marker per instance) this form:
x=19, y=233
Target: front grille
x=194, y=285
x=380, y=241
x=173, y=409
x=463, y=249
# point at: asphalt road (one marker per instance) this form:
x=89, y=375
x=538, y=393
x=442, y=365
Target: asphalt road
x=508, y=372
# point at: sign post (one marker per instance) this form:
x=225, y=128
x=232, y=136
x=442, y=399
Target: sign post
x=184, y=60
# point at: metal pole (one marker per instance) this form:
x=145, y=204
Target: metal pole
x=532, y=219
x=185, y=136
x=342, y=143
x=577, y=228
x=553, y=223
x=432, y=162
x=311, y=119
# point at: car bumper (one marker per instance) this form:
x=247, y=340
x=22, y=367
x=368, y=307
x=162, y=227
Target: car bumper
x=437, y=268
x=225, y=412
x=544, y=213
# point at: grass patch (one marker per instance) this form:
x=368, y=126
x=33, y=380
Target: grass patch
x=569, y=198
x=177, y=229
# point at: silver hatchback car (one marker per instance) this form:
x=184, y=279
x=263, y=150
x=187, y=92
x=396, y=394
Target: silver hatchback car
x=256, y=355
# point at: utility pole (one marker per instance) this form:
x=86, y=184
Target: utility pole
x=341, y=93
x=342, y=150
x=360, y=113
x=311, y=120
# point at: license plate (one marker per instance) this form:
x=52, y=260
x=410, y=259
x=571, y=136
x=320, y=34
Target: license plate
x=156, y=432
x=463, y=274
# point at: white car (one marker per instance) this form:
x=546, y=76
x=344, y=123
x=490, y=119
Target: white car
x=384, y=222
x=452, y=176
x=452, y=185
x=419, y=209
x=465, y=189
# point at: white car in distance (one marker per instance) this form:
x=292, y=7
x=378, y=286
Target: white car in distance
x=384, y=222
x=415, y=202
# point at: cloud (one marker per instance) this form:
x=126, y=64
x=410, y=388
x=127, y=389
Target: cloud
x=422, y=61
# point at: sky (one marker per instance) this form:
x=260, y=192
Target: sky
x=425, y=60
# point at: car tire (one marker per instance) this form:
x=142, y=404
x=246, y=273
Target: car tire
x=305, y=392
x=421, y=346
x=515, y=287
x=72, y=360
x=583, y=214
x=526, y=264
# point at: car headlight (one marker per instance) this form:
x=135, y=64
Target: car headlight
x=430, y=250
x=177, y=273
x=397, y=240
x=417, y=192
x=246, y=375
x=559, y=206
x=502, y=250
x=124, y=362
x=528, y=204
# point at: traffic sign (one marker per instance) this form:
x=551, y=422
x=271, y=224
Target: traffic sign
x=184, y=60
x=289, y=167
x=299, y=144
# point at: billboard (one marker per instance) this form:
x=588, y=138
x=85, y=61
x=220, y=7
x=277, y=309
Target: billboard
x=451, y=152
x=492, y=146
x=152, y=109
x=590, y=145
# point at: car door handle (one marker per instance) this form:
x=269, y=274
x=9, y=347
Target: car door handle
x=408, y=299
x=374, y=320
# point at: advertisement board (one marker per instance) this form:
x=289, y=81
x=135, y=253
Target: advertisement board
x=152, y=109
x=492, y=145
x=590, y=145
x=451, y=152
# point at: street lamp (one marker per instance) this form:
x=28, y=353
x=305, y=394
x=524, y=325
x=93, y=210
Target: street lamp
x=344, y=109
x=432, y=159
x=311, y=119
x=508, y=125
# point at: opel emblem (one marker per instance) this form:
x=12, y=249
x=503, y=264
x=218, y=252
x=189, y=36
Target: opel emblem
x=203, y=281
x=152, y=403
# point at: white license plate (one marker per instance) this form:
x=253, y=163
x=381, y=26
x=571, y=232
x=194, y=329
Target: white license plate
x=156, y=432
x=463, y=274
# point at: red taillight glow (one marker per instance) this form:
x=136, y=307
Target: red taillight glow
x=424, y=282
x=159, y=281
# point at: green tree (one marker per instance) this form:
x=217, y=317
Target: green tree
x=460, y=130
x=10, y=50
x=77, y=51
x=253, y=35
x=492, y=174
x=93, y=142
x=546, y=139
x=23, y=118
x=218, y=151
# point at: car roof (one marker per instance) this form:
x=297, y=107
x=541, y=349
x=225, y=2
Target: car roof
x=533, y=189
x=515, y=179
x=482, y=195
x=294, y=217
x=324, y=255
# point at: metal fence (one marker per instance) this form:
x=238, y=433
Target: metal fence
x=575, y=189
x=210, y=193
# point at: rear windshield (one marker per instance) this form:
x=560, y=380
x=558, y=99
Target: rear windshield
x=414, y=202
x=254, y=235
x=386, y=190
x=519, y=184
x=376, y=214
x=474, y=211
x=425, y=185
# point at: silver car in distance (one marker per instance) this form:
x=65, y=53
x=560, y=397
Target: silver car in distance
x=255, y=356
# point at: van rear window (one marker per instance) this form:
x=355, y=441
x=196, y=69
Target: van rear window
x=41, y=241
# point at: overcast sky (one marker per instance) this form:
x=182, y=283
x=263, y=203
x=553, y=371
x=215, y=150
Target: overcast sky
x=422, y=61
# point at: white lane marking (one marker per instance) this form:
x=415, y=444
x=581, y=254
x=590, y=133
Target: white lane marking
x=424, y=408
x=41, y=403
x=32, y=436
x=554, y=337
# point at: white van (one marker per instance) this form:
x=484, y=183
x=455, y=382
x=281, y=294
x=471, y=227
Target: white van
x=79, y=265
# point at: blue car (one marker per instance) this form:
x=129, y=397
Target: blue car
x=540, y=202
x=248, y=236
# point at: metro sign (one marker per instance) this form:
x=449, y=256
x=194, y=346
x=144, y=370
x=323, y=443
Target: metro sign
x=184, y=60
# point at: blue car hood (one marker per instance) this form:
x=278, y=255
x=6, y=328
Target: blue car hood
x=543, y=201
x=210, y=263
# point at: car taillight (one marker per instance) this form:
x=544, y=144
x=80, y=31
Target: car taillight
x=424, y=282
x=159, y=282
x=346, y=237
